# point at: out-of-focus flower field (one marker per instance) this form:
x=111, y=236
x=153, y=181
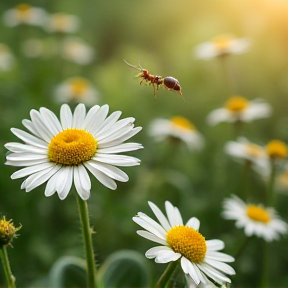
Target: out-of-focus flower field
x=195, y=172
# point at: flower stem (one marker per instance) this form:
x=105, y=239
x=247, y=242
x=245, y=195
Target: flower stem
x=270, y=186
x=8, y=273
x=87, y=238
x=165, y=277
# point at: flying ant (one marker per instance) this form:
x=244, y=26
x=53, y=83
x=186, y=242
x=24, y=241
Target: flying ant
x=170, y=83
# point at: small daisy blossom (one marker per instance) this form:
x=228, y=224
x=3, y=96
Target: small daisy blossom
x=177, y=127
x=199, y=258
x=238, y=108
x=243, y=151
x=25, y=14
x=6, y=58
x=255, y=219
x=61, y=152
x=221, y=45
x=62, y=23
x=75, y=90
x=76, y=50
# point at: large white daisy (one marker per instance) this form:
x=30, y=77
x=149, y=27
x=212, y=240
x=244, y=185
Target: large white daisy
x=237, y=108
x=61, y=152
x=255, y=219
x=199, y=258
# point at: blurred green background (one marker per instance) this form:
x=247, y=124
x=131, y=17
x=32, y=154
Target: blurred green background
x=162, y=35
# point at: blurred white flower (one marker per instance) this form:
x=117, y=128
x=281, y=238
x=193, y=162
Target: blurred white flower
x=258, y=220
x=177, y=127
x=199, y=257
x=76, y=50
x=76, y=90
x=25, y=14
x=6, y=58
x=238, y=108
x=243, y=151
x=61, y=152
x=222, y=45
x=62, y=23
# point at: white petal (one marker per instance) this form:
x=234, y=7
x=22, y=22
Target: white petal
x=19, y=148
x=28, y=138
x=99, y=117
x=102, y=178
x=106, y=128
x=193, y=223
x=66, y=116
x=110, y=171
x=25, y=162
x=121, y=148
x=79, y=116
x=64, y=182
x=167, y=256
x=153, y=252
x=83, y=193
x=218, y=256
x=89, y=122
x=120, y=139
x=171, y=214
x=149, y=227
x=51, y=185
x=160, y=216
x=150, y=236
x=39, y=178
x=213, y=273
x=30, y=170
x=49, y=117
x=227, y=269
x=118, y=160
x=41, y=126
x=26, y=157
x=214, y=245
x=191, y=269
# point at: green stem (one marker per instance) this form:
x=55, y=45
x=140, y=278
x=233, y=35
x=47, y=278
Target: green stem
x=242, y=247
x=87, y=238
x=270, y=186
x=165, y=277
x=8, y=273
x=264, y=272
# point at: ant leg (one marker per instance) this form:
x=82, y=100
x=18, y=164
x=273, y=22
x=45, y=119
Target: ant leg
x=155, y=90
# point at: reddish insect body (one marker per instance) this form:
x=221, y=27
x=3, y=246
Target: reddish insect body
x=170, y=83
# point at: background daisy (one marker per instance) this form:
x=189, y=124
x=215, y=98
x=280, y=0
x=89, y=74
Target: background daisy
x=256, y=220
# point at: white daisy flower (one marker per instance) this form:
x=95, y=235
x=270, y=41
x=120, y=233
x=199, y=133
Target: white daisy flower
x=75, y=90
x=25, y=14
x=61, y=152
x=255, y=219
x=6, y=58
x=199, y=258
x=238, y=108
x=177, y=127
x=76, y=50
x=62, y=23
x=221, y=45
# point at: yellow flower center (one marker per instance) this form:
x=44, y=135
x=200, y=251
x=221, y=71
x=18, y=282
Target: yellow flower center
x=188, y=242
x=23, y=10
x=254, y=150
x=60, y=21
x=257, y=213
x=222, y=42
x=79, y=86
x=237, y=104
x=276, y=149
x=72, y=147
x=182, y=122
